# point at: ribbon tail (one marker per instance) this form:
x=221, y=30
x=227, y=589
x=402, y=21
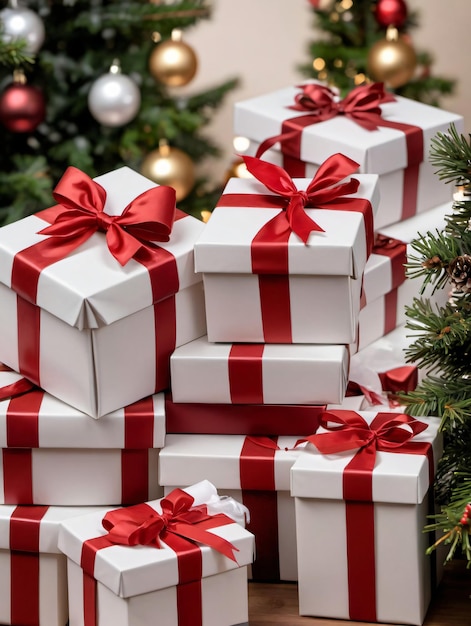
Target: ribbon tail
x=194, y=533
x=300, y=221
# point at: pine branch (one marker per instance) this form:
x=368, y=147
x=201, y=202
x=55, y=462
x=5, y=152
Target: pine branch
x=451, y=153
x=13, y=53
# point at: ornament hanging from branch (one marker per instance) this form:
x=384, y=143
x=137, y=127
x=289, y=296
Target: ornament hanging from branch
x=173, y=62
x=391, y=13
x=170, y=166
x=114, y=98
x=392, y=60
x=21, y=23
x=22, y=106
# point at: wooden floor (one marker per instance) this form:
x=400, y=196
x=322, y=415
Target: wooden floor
x=278, y=604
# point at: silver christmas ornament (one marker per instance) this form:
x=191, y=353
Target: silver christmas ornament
x=22, y=23
x=114, y=99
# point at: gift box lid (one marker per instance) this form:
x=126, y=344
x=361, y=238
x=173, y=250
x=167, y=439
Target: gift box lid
x=36, y=419
x=36, y=528
x=132, y=570
x=218, y=457
x=225, y=243
x=379, y=277
x=304, y=373
x=378, y=151
x=397, y=477
x=89, y=288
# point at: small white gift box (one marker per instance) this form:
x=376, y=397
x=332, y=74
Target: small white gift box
x=52, y=454
x=93, y=332
x=254, y=471
x=360, y=515
x=258, y=373
x=32, y=568
x=260, y=289
x=194, y=577
x=397, y=149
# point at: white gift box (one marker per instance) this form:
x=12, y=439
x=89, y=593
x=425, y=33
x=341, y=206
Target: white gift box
x=252, y=473
x=32, y=569
x=51, y=454
x=382, y=151
x=139, y=584
x=381, y=530
x=385, y=294
x=258, y=373
x=323, y=277
x=96, y=334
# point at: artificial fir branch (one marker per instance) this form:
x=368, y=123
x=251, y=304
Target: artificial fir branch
x=451, y=154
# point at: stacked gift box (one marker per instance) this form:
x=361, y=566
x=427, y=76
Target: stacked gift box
x=88, y=324
x=169, y=353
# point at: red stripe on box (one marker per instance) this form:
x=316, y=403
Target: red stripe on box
x=29, y=322
x=22, y=420
x=134, y=476
x=17, y=476
x=246, y=373
x=139, y=419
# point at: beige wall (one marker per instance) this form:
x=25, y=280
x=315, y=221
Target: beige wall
x=262, y=42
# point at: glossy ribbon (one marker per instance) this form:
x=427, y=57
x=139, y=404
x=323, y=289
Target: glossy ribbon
x=14, y=389
x=397, y=251
x=80, y=213
x=348, y=431
x=181, y=527
x=25, y=598
x=399, y=379
x=245, y=367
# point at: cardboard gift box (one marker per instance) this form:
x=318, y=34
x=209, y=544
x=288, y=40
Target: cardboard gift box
x=201, y=418
x=185, y=562
x=51, y=454
x=386, y=289
x=254, y=471
x=263, y=283
x=395, y=145
x=94, y=330
x=362, y=493
x=259, y=373
x=32, y=568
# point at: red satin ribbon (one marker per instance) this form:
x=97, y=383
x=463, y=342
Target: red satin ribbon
x=179, y=526
x=388, y=432
x=246, y=373
x=269, y=247
x=362, y=106
x=397, y=251
x=25, y=522
x=233, y=419
x=257, y=481
x=400, y=379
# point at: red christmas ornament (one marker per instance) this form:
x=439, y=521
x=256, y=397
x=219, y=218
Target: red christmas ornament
x=22, y=108
x=391, y=13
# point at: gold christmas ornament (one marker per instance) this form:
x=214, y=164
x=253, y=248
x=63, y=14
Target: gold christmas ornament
x=392, y=60
x=173, y=62
x=170, y=166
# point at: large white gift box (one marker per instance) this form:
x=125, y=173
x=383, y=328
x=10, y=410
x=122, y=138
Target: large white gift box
x=397, y=150
x=93, y=332
x=386, y=290
x=361, y=508
x=264, y=289
x=52, y=454
x=254, y=471
x=190, y=568
x=224, y=373
x=33, y=571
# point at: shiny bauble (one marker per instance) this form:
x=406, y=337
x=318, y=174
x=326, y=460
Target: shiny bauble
x=114, y=99
x=170, y=166
x=22, y=108
x=391, y=13
x=173, y=63
x=21, y=23
x=392, y=62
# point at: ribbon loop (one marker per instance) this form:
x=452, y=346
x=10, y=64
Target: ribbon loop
x=148, y=218
x=324, y=191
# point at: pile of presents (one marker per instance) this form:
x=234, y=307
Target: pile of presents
x=189, y=406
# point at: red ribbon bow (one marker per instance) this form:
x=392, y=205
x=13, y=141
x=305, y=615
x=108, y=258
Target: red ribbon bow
x=323, y=192
x=361, y=104
x=347, y=430
x=146, y=219
x=136, y=525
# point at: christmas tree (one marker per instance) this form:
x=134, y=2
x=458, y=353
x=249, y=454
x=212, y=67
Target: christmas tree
x=102, y=92
x=368, y=40
x=441, y=341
